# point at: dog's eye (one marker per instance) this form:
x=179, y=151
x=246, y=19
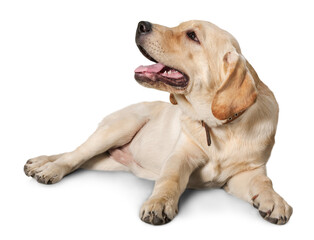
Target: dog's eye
x=191, y=35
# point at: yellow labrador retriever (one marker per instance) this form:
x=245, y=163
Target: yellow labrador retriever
x=218, y=132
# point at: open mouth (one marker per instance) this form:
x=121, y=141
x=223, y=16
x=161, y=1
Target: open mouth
x=160, y=73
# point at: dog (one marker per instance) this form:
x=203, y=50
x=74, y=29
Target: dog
x=218, y=132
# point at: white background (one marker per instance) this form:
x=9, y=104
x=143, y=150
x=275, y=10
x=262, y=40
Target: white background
x=64, y=65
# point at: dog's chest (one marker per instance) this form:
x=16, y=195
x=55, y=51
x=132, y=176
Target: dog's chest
x=227, y=155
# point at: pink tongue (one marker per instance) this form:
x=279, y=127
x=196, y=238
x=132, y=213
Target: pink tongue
x=155, y=68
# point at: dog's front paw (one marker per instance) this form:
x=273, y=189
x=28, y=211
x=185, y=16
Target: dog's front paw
x=159, y=210
x=272, y=207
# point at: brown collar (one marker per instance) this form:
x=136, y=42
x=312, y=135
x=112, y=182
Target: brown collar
x=207, y=129
x=235, y=116
x=209, y=141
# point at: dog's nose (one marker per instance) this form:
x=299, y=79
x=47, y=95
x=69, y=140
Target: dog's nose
x=144, y=27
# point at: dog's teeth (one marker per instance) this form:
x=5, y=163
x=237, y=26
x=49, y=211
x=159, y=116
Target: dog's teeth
x=169, y=72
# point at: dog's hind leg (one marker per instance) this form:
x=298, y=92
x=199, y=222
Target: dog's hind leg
x=114, y=131
x=101, y=162
x=104, y=162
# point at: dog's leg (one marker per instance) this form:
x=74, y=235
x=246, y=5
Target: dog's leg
x=162, y=206
x=114, y=131
x=256, y=188
x=104, y=162
x=101, y=162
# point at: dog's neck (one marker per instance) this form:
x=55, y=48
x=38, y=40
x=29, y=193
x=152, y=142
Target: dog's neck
x=173, y=100
x=195, y=110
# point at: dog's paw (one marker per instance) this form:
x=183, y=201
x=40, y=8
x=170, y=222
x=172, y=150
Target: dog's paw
x=33, y=164
x=43, y=170
x=158, y=211
x=272, y=207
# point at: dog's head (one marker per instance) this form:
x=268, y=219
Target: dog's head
x=200, y=64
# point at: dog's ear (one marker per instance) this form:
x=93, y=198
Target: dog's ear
x=237, y=92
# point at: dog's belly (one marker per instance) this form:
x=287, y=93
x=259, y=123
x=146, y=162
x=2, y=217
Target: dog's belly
x=152, y=145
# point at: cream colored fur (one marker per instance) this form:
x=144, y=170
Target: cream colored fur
x=167, y=143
